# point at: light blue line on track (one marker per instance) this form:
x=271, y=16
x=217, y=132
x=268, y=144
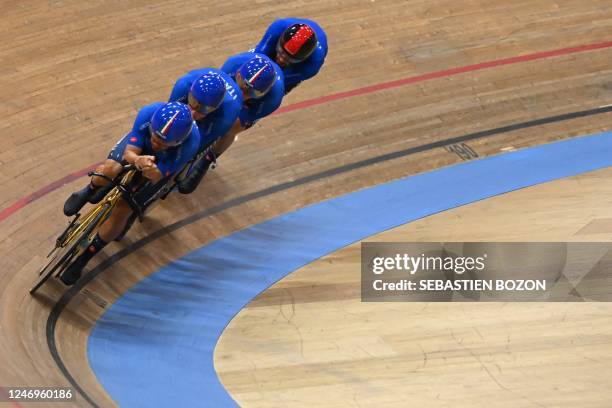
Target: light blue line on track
x=154, y=346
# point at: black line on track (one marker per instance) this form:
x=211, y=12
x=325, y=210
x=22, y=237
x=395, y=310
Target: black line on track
x=67, y=297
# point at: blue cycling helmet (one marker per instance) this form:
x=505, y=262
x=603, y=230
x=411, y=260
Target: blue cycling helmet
x=207, y=93
x=172, y=123
x=258, y=75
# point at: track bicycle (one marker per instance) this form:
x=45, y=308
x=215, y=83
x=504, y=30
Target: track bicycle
x=78, y=235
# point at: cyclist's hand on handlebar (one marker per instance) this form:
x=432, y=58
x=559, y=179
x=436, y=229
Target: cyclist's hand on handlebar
x=144, y=163
x=152, y=173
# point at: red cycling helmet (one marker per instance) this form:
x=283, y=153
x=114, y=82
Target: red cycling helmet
x=297, y=42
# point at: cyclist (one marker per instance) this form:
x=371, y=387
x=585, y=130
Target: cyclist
x=162, y=140
x=215, y=102
x=261, y=82
x=298, y=46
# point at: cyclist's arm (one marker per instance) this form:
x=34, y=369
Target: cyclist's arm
x=146, y=164
x=153, y=174
x=181, y=89
x=131, y=153
x=225, y=141
x=267, y=45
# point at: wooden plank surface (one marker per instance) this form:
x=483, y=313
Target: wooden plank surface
x=309, y=340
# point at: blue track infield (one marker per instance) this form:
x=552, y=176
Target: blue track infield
x=154, y=346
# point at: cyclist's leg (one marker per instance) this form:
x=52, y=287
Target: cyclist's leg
x=108, y=231
x=114, y=226
x=98, y=187
x=191, y=181
x=127, y=226
x=116, y=222
x=111, y=168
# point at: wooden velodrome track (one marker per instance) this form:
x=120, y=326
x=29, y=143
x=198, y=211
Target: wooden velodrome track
x=426, y=353
x=73, y=75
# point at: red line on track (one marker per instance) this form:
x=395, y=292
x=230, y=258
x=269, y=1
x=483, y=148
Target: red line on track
x=22, y=202
x=444, y=73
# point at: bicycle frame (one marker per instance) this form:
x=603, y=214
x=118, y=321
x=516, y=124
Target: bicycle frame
x=75, y=239
x=111, y=198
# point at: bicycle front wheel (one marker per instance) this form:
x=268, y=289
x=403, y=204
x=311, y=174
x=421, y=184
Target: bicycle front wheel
x=65, y=255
